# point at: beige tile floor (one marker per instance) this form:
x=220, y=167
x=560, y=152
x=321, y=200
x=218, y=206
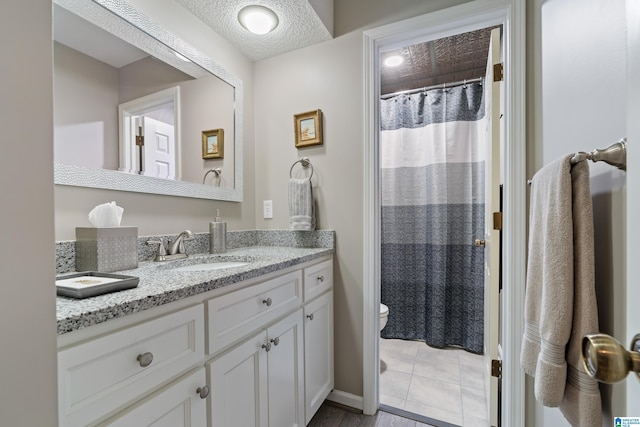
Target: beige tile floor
x=443, y=384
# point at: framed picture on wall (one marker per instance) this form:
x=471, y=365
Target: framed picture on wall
x=308, y=128
x=213, y=144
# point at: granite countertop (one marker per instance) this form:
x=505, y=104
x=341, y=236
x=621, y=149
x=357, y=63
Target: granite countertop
x=159, y=284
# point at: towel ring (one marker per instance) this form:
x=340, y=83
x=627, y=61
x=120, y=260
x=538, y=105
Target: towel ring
x=216, y=171
x=305, y=164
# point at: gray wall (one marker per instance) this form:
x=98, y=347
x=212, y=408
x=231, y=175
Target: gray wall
x=578, y=104
x=27, y=309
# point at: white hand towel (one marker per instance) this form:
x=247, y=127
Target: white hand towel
x=301, y=205
x=560, y=304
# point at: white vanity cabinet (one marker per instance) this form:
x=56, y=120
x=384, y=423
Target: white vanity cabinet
x=104, y=374
x=281, y=374
x=260, y=381
x=255, y=353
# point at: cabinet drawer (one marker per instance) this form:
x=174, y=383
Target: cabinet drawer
x=235, y=315
x=177, y=405
x=99, y=376
x=318, y=279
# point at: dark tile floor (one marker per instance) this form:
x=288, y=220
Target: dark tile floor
x=333, y=416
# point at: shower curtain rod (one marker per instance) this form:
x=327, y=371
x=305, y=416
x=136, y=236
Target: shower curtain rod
x=438, y=86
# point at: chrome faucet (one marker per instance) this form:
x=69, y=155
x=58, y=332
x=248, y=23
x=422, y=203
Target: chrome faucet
x=176, y=248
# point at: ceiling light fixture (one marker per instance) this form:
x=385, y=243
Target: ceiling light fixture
x=258, y=19
x=393, y=61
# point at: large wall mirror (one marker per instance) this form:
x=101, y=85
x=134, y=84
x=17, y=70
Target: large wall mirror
x=137, y=109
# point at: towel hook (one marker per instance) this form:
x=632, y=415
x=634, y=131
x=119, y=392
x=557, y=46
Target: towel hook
x=304, y=161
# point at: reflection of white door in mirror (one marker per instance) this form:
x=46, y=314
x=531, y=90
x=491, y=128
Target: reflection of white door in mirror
x=158, y=150
x=163, y=106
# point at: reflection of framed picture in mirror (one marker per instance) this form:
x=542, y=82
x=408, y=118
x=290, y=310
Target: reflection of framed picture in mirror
x=213, y=144
x=308, y=128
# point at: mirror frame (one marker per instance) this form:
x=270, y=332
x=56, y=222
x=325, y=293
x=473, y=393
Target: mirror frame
x=109, y=14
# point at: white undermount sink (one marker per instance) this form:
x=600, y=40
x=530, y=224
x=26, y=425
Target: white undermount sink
x=208, y=266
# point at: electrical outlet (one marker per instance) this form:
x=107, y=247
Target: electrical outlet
x=267, y=209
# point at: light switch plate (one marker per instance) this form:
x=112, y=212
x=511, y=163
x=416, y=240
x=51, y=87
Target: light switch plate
x=267, y=209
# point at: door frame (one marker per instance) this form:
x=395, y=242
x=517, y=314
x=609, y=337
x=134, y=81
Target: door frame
x=458, y=19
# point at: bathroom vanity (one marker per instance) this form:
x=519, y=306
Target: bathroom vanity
x=246, y=345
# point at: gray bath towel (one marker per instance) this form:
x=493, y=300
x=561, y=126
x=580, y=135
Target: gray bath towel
x=582, y=404
x=560, y=305
x=301, y=205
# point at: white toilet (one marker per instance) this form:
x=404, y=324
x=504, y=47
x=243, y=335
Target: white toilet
x=384, y=314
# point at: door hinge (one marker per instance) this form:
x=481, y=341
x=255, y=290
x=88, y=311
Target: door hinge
x=140, y=137
x=498, y=72
x=497, y=220
x=496, y=368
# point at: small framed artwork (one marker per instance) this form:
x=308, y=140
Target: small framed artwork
x=213, y=144
x=308, y=128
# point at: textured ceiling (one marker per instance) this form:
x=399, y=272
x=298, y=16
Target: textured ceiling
x=299, y=25
x=456, y=58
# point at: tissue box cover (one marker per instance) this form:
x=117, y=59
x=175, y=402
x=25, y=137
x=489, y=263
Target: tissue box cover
x=106, y=249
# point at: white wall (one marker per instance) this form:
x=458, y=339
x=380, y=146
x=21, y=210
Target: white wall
x=156, y=214
x=579, y=103
x=27, y=308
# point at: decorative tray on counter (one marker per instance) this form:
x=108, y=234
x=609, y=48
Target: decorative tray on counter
x=92, y=283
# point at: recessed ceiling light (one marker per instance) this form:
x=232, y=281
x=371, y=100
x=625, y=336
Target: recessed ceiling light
x=258, y=19
x=393, y=61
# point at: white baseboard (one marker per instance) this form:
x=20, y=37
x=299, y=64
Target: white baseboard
x=347, y=399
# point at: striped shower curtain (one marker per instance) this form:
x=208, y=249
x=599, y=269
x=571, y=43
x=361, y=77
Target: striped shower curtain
x=432, y=147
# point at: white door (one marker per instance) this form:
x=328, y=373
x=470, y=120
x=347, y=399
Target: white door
x=633, y=196
x=286, y=378
x=159, y=153
x=238, y=381
x=492, y=236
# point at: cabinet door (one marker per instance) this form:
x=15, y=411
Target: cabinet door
x=177, y=405
x=318, y=354
x=238, y=381
x=286, y=379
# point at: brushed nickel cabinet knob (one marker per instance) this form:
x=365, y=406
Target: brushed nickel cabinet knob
x=145, y=359
x=203, y=392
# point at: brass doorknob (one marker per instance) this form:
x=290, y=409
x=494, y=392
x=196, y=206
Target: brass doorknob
x=479, y=243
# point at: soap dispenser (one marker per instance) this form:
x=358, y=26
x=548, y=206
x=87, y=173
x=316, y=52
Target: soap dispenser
x=217, y=235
